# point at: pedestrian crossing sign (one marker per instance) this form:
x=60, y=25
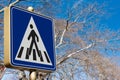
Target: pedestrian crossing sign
x=29, y=40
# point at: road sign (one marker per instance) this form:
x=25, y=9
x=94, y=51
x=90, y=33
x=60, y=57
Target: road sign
x=29, y=40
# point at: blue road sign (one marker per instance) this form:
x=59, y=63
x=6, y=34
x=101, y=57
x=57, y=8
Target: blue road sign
x=31, y=40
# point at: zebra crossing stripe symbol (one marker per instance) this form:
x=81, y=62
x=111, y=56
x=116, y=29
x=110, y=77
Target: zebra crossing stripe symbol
x=32, y=48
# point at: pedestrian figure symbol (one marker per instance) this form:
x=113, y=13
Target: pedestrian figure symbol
x=32, y=48
x=33, y=35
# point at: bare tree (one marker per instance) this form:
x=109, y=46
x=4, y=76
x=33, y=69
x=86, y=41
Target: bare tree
x=81, y=40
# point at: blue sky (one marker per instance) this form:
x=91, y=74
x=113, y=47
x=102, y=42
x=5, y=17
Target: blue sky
x=112, y=17
x=113, y=7
x=113, y=20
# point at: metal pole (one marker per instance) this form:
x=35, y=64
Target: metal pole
x=33, y=75
x=40, y=75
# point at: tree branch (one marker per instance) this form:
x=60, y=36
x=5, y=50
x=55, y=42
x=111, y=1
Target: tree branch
x=10, y=5
x=61, y=39
x=14, y=2
x=70, y=55
x=2, y=10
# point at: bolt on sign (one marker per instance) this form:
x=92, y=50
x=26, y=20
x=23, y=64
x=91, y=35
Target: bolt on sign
x=28, y=40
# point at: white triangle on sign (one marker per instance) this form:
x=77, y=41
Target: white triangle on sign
x=32, y=48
